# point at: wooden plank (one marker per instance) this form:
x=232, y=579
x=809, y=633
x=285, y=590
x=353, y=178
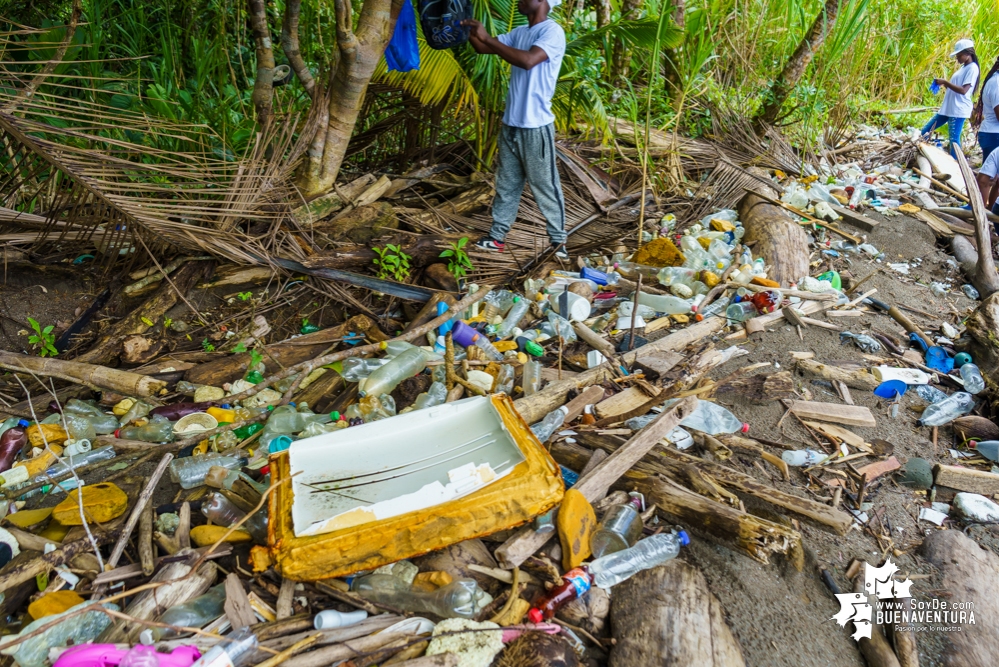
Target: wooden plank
x=849, y=437
x=855, y=219
x=552, y=374
x=619, y=404
x=850, y=415
x=875, y=470
x=595, y=484
x=237, y=603
x=657, y=364
x=966, y=479
x=588, y=396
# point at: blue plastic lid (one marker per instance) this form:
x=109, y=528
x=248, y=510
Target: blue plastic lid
x=23, y=423
x=279, y=444
x=599, y=277
x=890, y=389
x=684, y=538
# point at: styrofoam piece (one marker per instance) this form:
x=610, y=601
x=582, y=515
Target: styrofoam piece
x=906, y=375
x=393, y=466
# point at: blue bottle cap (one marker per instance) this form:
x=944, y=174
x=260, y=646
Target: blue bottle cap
x=23, y=423
x=684, y=538
x=225, y=406
x=890, y=389
x=279, y=444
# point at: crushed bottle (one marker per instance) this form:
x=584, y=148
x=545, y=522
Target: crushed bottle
x=462, y=598
x=620, y=527
x=190, y=471
x=544, y=429
x=653, y=551
x=801, y=458
x=196, y=613
x=947, y=410
x=974, y=383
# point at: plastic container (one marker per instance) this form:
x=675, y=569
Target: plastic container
x=221, y=511
x=196, y=613
x=575, y=584
x=906, y=375
x=153, y=431
x=505, y=379
x=435, y=395
x=358, y=368
x=190, y=472
x=987, y=448
x=714, y=308
x=664, y=303
x=614, y=568
x=234, y=650
x=572, y=306
x=531, y=378
x=742, y=311
x=105, y=453
x=385, y=379
x=459, y=599
x=619, y=529
x=496, y=304
x=930, y=394
x=517, y=312
x=947, y=410
x=800, y=458
x=974, y=383
x=713, y=419
x=102, y=422
x=80, y=628
x=553, y=420
x=12, y=442
x=331, y=619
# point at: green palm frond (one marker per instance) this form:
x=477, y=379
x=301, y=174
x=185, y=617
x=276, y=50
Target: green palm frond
x=640, y=33
x=440, y=77
x=577, y=97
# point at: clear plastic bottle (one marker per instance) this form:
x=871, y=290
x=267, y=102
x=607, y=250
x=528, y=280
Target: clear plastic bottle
x=742, y=311
x=223, y=478
x=102, y=422
x=974, y=383
x=714, y=308
x=105, y=453
x=531, y=378
x=153, y=431
x=234, y=650
x=713, y=419
x=947, y=410
x=802, y=458
x=496, y=304
x=435, y=395
x=138, y=410
x=385, y=379
x=620, y=527
x=672, y=275
x=505, y=379
x=196, y=613
x=553, y=420
x=190, y=471
x=357, y=368
x=655, y=550
x=78, y=627
x=459, y=599
x=221, y=511
x=631, y=270
x=664, y=303
x=488, y=349
x=561, y=327
x=517, y=312
x=930, y=394
x=987, y=448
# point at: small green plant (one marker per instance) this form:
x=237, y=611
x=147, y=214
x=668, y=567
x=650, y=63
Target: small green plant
x=207, y=346
x=392, y=262
x=43, y=339
x=458, y=262
x=166, y=323
x=245, y=296
x=255, y=358
x=240, y=347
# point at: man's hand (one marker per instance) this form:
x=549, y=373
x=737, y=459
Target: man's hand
x=941, y=82
x=479, y=31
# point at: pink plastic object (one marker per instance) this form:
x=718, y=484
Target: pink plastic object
x=512, y=632
x=109, y=655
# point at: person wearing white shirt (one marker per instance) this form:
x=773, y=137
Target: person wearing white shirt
x=987, y=178
x=957, y=103
x=987, y=112
x=526, y=143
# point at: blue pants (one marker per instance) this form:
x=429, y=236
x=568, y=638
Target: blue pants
x=954, y=127
x=989, y=141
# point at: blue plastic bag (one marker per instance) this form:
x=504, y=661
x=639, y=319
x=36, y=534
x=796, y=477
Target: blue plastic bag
x=403, y=52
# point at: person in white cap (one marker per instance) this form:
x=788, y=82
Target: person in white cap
x=527, y=138
x=958, y=93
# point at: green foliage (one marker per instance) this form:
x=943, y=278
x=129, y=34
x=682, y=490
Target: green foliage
x=245, y=296
x=239, y=347
x=43, y=340
x=255, y=358
x=458, y=263
x=392, y=262
x=207, y=345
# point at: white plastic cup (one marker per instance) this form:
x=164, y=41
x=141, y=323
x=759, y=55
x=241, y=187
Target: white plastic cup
x=332, y=619
x=577, y=307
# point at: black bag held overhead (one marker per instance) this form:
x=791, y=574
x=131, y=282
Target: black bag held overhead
x=441, y=22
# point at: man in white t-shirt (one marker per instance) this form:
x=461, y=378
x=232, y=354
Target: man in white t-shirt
x=987, y=181
x=527, y=137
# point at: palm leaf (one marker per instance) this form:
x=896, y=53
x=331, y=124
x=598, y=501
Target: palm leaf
x=640, y=33
x=439, y=78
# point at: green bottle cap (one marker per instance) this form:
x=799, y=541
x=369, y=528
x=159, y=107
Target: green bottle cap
x=254, y=377
x=533, y=348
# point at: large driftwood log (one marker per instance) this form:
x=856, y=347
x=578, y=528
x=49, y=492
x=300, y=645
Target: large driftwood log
x=102, y=377
x=779, y=240
x=985, y=279
x=422, y=251
x=983, y=326
x=668, y=617
x=165, y=298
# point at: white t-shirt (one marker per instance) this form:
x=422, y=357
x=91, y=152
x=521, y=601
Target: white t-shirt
x=991, y=165
x=959, y=106
x=529, y=101
x=990, y=100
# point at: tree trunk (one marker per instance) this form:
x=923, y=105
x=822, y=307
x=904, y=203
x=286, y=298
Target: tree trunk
x=672, y=74
x=292, y=51
x=795, y=66
x=603, y=9
x=779, y=240
x=621, y=62
x=359, y=53
x=263, y=86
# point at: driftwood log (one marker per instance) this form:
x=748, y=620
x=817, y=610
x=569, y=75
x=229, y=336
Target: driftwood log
x=101, y=377
x=781, y=243
x=667, y=617
x=859, y=379
x=982, y=327
x=985, y=279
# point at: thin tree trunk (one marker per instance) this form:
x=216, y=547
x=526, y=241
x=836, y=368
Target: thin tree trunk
x=289, y=43
x=263, y=86
x=680, y=19
x=360, y=52
x=621, y=62
x=603, y=8
x=795, y=66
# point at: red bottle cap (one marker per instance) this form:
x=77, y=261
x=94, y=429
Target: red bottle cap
x=534, y=615
x=745, y=427
x=117, y=431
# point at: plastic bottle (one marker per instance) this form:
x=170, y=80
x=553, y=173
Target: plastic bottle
x=331, y=619
x=357, y=368
x=153, y=431
x=801, y=458
x=221, y=511
x=496, y=304
x=974, y=383
x=79, y=627
x=105, y=453
x=102, y=422
x=713, y=419
x=714, y=308
x=947, y=410
x=742, y=311
x=655, y=550
x=664, y=303
x=561, y=327
x=619, y=529
x=175, y=411
x=12, y=442
x=385, y=379
x=531, y=379
x=930, y=394
x=631, y=270
x=8, y=424
x=767, y=301
x=459, y=599
x=553, y=420
x=138, y=410
x=190, y=472
x=505, y=379
x=223, y=478
x=234, y=650
x=196, y=613
x=672, y=275
x=575, y=584
x=517, y=312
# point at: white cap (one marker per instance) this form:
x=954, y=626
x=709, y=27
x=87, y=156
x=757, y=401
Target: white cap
x=961, y=45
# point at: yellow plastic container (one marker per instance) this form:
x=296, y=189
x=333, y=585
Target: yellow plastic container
x=222, y=414
x=531, y=487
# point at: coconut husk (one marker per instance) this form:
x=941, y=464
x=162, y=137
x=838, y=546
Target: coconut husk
x=536, y=649
x=972, y=427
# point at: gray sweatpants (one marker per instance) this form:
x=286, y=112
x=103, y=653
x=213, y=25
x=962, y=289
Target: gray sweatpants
x=528, y=154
